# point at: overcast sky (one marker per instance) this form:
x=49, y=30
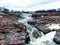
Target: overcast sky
x=30, y=5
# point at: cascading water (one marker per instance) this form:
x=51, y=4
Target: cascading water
x=36, y=36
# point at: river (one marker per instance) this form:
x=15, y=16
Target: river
x=37, y=37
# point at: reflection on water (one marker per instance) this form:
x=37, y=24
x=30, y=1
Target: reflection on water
x=37, y=37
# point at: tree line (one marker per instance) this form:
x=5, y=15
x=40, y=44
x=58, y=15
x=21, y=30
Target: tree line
x=50, y=10
x=5, y=10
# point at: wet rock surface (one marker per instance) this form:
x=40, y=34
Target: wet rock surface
x=57, y=37
x=40, y=23
x=40, y=20
x=12, y=32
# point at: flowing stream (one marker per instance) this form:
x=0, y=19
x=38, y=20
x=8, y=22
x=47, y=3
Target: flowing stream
x=37, y=37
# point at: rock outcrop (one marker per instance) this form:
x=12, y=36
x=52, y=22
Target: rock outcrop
x=41, y=22
x=57, y=37
x=15, y=33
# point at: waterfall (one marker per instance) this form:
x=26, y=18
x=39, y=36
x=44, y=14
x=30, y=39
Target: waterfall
x=37, y=37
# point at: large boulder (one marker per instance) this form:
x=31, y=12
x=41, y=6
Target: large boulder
x=31, y=22
x=57, y=37
x=43, y=28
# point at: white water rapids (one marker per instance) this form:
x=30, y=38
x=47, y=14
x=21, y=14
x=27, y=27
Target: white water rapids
x=36, y=37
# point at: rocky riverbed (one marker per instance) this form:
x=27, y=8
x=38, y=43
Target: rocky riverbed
x=28, y=30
